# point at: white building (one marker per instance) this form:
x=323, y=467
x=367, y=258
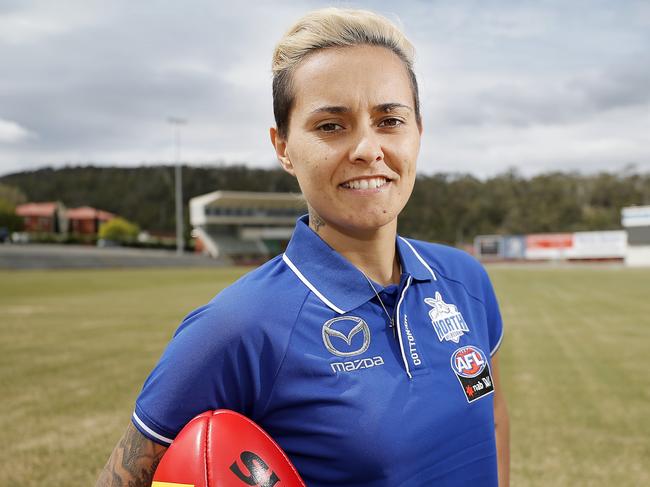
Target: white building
x=636, y=220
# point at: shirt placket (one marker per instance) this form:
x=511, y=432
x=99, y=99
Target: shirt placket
x=413, y=359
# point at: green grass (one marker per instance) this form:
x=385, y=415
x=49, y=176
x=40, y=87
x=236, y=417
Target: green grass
x=574, y=367
x=76, y=346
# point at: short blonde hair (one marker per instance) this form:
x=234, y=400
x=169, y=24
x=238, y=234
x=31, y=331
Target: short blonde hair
x=332, y=28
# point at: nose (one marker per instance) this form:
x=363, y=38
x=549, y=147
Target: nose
x=366, y=147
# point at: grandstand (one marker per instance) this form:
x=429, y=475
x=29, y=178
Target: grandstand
x=244, y=226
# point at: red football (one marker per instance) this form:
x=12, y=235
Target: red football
x=224, y=449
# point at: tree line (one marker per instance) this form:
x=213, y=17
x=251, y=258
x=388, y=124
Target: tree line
x=450, y=208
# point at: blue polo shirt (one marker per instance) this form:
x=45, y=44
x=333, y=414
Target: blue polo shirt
x=303, y=347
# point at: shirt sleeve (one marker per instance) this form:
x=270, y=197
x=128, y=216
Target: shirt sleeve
x=206, y=366
x=495, y=323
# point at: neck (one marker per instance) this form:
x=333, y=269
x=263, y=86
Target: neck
x=372, y=252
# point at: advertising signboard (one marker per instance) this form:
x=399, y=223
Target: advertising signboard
x=598, y=245
x=488, y=247
x=548, y=246
x=514, y=247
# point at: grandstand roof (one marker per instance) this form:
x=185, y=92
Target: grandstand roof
x=243, y=198
x=246, y=208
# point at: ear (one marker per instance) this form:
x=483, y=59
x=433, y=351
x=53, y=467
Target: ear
x=280, y=146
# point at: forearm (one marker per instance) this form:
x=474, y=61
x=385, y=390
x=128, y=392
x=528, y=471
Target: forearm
x=501, y=426
x=502, y=431
x=132, y=463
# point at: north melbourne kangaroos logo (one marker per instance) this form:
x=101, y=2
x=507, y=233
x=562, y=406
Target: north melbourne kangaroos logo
x=446, y=319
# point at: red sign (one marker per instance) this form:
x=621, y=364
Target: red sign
x=550, y=241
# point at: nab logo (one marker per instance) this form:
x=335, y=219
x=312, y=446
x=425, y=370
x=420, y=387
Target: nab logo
x=346, y=336
x=260, y=475
x=468, y=361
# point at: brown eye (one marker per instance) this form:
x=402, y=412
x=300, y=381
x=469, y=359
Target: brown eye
x=330, y=127
x=391, y=122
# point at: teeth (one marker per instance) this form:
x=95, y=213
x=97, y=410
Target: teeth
x=376, y=183
x=372, y=183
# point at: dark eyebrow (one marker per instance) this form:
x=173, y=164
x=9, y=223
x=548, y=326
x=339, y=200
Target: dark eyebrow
x=389, y=107
x=383, y=107
x=330, y=109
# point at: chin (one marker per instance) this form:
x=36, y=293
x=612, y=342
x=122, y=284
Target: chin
x=369, y=223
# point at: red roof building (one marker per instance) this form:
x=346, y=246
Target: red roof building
x=86, y=220
x=48, y=217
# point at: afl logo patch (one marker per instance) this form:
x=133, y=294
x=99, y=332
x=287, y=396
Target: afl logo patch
x=470, y=364
x=346, y=336
x=468, y=361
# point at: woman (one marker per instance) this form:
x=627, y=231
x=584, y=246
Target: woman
x=365, y=355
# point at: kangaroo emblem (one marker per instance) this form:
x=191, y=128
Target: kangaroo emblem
x=447, y=321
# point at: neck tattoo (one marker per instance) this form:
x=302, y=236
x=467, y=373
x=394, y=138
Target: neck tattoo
x=315, y=221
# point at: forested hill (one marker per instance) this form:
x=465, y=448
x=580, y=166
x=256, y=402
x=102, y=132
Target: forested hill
x=444, y=207
x=144, y=195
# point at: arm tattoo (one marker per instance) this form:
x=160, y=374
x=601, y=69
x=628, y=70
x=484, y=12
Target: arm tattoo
x=133, y=462
x=315, y=221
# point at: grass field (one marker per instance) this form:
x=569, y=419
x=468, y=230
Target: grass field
x=76, y=345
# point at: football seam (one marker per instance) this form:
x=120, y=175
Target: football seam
x=206, y=455
x=280, y=450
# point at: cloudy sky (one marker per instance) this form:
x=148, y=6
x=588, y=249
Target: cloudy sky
x=533, y=85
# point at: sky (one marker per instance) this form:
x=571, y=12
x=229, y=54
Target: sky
x=534, y=86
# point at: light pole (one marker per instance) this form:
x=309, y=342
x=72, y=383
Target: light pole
x=177, y=122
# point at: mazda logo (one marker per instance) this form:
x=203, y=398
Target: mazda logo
x=345, y=328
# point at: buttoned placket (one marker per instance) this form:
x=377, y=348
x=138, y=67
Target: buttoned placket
x=414, y=363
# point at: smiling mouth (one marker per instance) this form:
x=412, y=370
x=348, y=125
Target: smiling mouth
x=370, y=183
